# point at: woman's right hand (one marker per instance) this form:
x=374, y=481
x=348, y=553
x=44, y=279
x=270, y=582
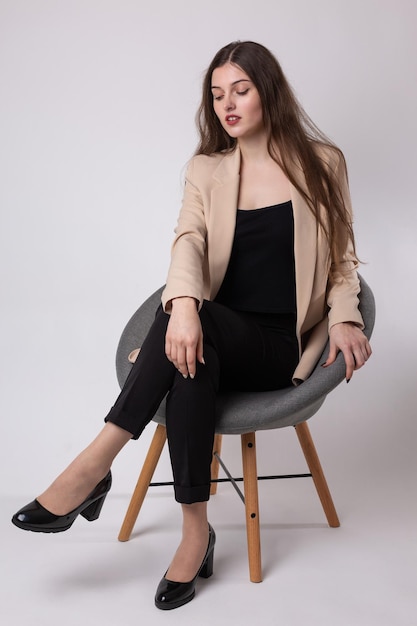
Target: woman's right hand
x=184, y=336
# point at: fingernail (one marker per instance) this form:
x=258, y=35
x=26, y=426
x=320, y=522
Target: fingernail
x=348, y=380
x=203, y=361
x=184, y=375
x=192, y=376
x=323, y=364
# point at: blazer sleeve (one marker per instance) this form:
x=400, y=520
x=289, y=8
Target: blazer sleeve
x=344, y=285
x=185, y=274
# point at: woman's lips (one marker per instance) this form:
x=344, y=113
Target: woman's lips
x=232, y=119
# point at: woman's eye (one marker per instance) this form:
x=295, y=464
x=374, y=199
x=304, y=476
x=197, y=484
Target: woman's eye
x=217, y=97
x=242, y=93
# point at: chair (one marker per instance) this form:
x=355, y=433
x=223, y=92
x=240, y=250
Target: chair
x=244, y=414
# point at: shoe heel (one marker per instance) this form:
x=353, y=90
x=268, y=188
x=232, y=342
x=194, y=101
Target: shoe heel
x=92, y=512
x=207, y=569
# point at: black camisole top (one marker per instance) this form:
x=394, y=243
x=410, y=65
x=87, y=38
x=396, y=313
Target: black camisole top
x=260, y=276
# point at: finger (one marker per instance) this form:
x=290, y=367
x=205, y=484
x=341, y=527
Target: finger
x=191, y=361
x=350, y=364
x=358, y=359
x=361, y=355
x=332, y=354
x=368, y=350
x=181, y=362
x=173, y=356
x=200, y=355
x=170, y=352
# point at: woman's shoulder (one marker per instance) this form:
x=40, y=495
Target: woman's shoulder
x=204, y=165
x=207, y=160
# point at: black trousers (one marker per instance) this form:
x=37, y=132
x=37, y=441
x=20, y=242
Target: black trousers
x=242, y=351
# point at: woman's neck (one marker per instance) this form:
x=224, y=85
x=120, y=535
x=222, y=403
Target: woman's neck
x=254, y=149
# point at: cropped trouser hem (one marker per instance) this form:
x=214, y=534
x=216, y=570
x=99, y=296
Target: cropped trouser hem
x=189, y=495
x=125, y=420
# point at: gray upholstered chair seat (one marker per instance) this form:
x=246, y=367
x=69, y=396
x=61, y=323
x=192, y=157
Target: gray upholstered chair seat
x=242, y=412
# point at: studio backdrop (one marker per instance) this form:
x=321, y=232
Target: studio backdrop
x=97, y=107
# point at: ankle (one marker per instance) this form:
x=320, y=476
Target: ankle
x=84, y=470
x=195, y=518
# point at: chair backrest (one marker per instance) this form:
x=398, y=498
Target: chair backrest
x=240, y=412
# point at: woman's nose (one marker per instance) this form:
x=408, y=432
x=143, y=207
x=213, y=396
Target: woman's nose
x=228, y=104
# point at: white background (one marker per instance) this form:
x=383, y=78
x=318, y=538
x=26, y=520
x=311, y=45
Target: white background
x=96, y=125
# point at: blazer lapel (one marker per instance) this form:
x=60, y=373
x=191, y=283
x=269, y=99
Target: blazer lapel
x=222, y=220
x=305, y=253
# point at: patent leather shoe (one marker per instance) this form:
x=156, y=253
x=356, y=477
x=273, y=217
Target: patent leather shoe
x=35, y=517
x=171, y=594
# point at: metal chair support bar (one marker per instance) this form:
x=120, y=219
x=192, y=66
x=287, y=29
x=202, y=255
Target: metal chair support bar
x=234, y=481
x=230, y=478
x=237, y=480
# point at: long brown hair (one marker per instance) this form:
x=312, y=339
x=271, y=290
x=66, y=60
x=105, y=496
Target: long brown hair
x=289, y=128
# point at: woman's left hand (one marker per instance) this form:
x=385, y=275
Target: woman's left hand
x=351, y=341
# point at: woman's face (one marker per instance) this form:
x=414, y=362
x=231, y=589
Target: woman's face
x=236, y=102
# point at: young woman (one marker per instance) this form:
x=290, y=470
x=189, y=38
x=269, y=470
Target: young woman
x=263, y=271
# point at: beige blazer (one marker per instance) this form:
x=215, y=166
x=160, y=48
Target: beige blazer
x=203, y=244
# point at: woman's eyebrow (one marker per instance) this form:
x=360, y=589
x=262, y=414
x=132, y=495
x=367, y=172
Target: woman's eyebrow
x=241, y=80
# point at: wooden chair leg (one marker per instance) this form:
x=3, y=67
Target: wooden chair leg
x=217, y=447
x=250, y=478
x=313, y=462
x=142, y=485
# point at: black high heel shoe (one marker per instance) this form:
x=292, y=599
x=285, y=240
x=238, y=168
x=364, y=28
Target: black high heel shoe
x=35, y=517
x=171, y=595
